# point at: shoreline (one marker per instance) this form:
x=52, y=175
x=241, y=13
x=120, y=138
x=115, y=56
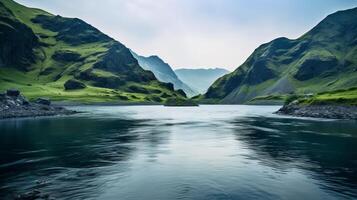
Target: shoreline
x=71, y=103
x=341, y=112
x=14, y=105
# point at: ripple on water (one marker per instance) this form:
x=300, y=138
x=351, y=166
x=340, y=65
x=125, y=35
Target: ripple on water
x=210, y=152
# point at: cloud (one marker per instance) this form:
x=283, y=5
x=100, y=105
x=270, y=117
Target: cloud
x=199, y=33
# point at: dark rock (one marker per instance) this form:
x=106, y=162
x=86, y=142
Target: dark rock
x=125, y=98
x=155, y=91
x=26, y=103
x=319, y=111
x=17, y=41
x=119, y=61
x=181, y=92
x=19, y=106
x=67, y=56
x=13, y=92
x=71, y=30
x=259, y=73
x=156, y=99
x=169, y=86
x=43, y=101
x=165, y=95
x=138, y=89
x=22, y=100
x=313, y=67
x=73, y=84
x=47, y=71
x=98, y=81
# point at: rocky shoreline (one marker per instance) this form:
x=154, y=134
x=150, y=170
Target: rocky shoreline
x=14, y=105
x=320, y=111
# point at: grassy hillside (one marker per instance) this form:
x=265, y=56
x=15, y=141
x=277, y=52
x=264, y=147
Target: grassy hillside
x=340, y=97
x=163, y=72
x=40, y=53
x=323, y=59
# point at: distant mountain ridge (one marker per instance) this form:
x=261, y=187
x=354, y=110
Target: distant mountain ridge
x=325, y=58
x=163, y=72
x=200, y=79
x=41, y=53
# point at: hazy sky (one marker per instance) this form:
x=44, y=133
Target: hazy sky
x=197, y=33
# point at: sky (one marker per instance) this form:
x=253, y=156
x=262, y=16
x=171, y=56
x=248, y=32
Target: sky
x=197, y=33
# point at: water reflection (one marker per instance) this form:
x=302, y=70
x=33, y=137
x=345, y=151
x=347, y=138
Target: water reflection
x=325, y=149
x=154, y=152
x=66, y=156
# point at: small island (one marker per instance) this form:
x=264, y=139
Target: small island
x=339, y=104
x=180, y=102
x=14, y=105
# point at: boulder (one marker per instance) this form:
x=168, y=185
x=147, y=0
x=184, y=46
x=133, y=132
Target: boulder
x=43, y=101
x=73, y=84
x=13, y=93
x=2, y=96
x=26, y=103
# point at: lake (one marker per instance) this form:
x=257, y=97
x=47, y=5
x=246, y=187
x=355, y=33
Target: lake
x=156, y=152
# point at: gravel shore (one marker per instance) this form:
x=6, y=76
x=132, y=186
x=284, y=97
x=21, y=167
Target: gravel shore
x=15, y=105
x=320, y=111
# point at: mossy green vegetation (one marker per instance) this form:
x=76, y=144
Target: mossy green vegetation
x=163, y=72
x=268, y=100
x=338, y=97
x=51, y=51
x=180, y=102
x=324, y=59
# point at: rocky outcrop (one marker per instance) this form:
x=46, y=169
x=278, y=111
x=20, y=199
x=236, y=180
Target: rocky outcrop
x=313, y=67
x=14, y=105
x=67, y=56
x=319, y=111
x=71, y=30
x=17, y=41
x=42, y=48
x=73, y=84
x=323, y=59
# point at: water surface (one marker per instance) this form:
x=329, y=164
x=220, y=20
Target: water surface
x=155, y=152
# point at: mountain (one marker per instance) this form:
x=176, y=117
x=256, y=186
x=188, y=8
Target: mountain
x=323, y=59
x=163, y=72
x=67, y=59
x=200, y=79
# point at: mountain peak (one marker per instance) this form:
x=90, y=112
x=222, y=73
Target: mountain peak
x=56, y=50
x=163, y=72
x=322, y=59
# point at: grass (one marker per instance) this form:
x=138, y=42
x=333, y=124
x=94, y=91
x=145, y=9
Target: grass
x=88, y=95
x=268, y=100
x=312, y=54
x=33, y=88
x=338, y=97
x=180, y=102
x=35, y=83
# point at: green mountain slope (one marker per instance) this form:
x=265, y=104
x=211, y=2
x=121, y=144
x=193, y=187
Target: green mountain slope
x=163, y=72
x=40, y=53
x=200, y=79
x=323, y=59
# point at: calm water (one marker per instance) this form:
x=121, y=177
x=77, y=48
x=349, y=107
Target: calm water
x=155, y=152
